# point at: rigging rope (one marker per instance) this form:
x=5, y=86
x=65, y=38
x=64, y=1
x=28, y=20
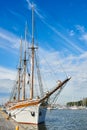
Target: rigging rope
x=39, y=76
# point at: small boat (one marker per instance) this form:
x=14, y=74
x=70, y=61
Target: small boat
x=31, y=110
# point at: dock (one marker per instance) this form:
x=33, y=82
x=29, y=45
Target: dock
x=7, y=123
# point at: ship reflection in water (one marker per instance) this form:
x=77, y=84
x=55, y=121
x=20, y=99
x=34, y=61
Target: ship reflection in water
x=35, y=127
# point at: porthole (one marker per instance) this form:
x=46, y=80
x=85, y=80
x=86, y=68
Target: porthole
x=33, y=113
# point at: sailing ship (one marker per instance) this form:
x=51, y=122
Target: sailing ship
x=31, y=110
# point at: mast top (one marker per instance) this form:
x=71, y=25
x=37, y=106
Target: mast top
x=32, y=25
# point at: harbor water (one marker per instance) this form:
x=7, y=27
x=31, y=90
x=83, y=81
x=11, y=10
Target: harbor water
x=60, y=120
x=66, y=120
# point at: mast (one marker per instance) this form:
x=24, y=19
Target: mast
x=32, y=56
x=19, y=71
x=24, y=74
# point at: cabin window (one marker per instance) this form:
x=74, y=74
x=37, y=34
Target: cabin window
x=33, y=113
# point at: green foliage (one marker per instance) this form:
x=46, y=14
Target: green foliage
x=78, y=103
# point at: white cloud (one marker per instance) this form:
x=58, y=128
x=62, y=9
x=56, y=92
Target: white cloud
x=71, y=33
x=80, y=28
x=67, y=40
x=8, y=40
x=84, y=37
x=83, y=33
x=2, y=35
x=6, y=73
x=3, y=100
x=7, y=78
x=6, y=85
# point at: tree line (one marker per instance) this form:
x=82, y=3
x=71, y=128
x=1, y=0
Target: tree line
x=82, y=102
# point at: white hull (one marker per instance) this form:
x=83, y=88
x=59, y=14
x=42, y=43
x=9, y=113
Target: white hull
x=29, y=115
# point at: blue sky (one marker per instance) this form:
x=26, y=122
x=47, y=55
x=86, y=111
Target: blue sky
x=61, y=32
